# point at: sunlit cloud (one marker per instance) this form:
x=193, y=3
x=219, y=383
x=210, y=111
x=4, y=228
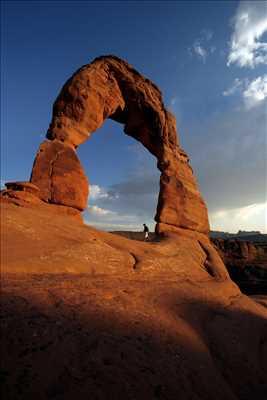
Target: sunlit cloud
x=250, y=23
x=252, y=217
x=255, y=92
x=110, y=226
x=232, y=170
x=246, y=213
x=97, y=192
x=112, y=220
x=130, y=202
x=95, y=210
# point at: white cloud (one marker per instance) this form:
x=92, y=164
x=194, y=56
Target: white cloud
x=108, y=220
x=200, y=51
x=95, y=210
x=129, y=203
x=250, y=23
x=252, y=217
x=97, y=192
x=233, y=89
x=255, y=92
x=201, y=46
x=246, y=213
x=110, y=226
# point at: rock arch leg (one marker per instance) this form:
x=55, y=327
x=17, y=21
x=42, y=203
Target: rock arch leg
x=111, y=88
x=58, y=173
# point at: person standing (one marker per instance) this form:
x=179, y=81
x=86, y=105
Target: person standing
x=146, y=231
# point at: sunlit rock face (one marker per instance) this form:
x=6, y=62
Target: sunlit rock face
x=111, y=88
x=58, y=173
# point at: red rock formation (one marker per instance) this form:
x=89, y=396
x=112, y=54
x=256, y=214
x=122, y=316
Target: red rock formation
x=246, y=263
x=59, y=175
x=90, y=314
x=111, y=88
x=233, y=250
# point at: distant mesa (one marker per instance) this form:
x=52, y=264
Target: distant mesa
x=111, y=88
x=254, y=236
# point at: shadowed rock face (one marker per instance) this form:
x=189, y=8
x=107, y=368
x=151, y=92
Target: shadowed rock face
x=246, y=262
x=91, y=315
x=111, y=88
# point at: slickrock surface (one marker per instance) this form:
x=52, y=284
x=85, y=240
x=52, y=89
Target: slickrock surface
x=245, y=261
x=91, y=315
x=111, y=88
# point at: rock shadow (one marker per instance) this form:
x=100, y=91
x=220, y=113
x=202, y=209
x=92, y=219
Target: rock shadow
x=69, y=346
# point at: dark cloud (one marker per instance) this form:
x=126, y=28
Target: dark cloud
x=229, y=158
x=139, y=185
x=137, y=195
x=228, y=155
x=132, y=201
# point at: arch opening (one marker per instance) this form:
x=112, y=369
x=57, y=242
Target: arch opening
x=111, y=88
x=123, y=180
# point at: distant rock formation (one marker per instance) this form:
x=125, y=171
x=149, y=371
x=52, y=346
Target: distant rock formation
x=246, y=263
x=250, y=236
x=232, y=249
x=111, y=88
x=248, y=233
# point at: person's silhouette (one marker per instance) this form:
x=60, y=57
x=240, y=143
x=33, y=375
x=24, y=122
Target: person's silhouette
x=146, y=231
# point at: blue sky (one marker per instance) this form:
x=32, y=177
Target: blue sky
x=209, y=60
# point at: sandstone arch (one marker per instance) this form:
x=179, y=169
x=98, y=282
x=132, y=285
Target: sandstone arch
x=111, y=88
